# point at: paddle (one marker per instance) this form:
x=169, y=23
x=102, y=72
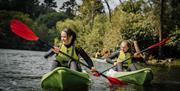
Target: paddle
x=164, y=41
x=25, y=32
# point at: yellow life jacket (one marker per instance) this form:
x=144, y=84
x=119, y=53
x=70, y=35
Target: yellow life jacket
x=64, y=60
x=123, y=56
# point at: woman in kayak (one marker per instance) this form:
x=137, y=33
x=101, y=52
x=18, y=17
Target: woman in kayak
x=68, y=38
x=123, y=54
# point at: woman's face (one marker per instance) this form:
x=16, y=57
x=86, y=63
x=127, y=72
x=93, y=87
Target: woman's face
x=66, y=40
x=124, y=46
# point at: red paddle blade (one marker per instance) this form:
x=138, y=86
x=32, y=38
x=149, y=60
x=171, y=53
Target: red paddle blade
x=22, y=30
x=164, y=41
x=115, y=81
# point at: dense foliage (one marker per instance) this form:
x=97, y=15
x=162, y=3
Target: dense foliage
x=130, y=20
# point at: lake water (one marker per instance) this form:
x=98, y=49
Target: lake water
x=22, y=71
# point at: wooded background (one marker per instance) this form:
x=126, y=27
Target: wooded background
x=147, y=21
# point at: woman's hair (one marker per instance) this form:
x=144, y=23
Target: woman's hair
x=126, y=42
x=69, y=33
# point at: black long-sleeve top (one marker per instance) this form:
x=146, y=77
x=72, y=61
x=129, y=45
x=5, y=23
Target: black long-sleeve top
x=112, y=56
x=84, y=55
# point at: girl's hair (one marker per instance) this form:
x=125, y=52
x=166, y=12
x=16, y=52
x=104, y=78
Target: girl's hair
x=69, y=33
x=127, y=43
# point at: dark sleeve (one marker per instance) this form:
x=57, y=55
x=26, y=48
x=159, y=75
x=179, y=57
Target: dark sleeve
x=49, y=54
x=84, y=55
x=112, y=56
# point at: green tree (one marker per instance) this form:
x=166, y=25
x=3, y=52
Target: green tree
x=50, y=3
x=26, y=6
x=9, y=39
x=70, y=7
x=88, y=10
x=50, y=19
x=133, y=6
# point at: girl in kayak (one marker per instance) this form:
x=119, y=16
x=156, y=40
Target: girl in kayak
x=68, y=38
x=123, y=54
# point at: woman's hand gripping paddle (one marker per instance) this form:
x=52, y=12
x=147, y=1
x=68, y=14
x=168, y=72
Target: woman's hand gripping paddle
x=25, y=32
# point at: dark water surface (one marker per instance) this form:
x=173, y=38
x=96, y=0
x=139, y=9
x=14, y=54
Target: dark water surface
x=22, y=71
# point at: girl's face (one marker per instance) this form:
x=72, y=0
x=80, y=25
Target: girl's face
x=66, y=40
x=124, y=47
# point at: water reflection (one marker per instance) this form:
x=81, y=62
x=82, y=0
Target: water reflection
x=165, y=79
x=22, y=71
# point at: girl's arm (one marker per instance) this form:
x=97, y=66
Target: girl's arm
x=84, y=55
x=112, y=56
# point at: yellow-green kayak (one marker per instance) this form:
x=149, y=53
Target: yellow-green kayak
x=139, y=77
x=64, y=79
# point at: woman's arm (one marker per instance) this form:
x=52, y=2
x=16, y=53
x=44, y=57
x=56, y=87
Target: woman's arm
x=49, y=54
x=84, y=55
x=52, y=51
x=112, y=56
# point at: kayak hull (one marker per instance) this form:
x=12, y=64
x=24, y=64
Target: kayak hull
x=139, y=77
x=63, y=79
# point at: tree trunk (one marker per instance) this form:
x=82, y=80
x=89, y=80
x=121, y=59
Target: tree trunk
x=108, y=9
x=161, y=27
x=120, y=1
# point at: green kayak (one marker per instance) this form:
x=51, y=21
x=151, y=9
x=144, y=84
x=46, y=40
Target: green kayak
x=139, y=77
x=64, y=79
